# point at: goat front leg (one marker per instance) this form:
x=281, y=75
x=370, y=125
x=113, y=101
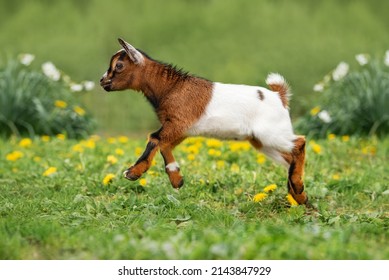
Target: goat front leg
x=144, y=162
x=171, y=166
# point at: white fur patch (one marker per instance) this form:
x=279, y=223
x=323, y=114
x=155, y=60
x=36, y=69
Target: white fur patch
x=173, y=166
x=238, y=112
x=275, y=79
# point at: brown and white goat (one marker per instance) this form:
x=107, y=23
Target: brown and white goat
x=187, y=105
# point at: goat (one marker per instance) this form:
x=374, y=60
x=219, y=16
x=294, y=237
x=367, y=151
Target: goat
x=187, y=105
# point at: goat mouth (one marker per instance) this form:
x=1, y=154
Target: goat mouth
x=107, y=87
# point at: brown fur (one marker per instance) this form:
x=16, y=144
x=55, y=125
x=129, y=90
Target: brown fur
x=282, y=91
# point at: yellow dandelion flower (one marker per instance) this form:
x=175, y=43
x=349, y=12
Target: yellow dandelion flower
x=214, y=153
x=50, y=171
x=78, y=148
x=291, y=200
x=331, y=136
x=111, y=140
x=112, y=159
x=270, y=188
x=79, y=111
x=138, y=151
x=345, y=138
x=259, y=197
x=13, y=156
x=60, y=104
x=108, y=178
x=143, y=182
x=119, y=152
x=202, y=182
x=239, y=146
x=25, y=143
x=315, y=110
x=214, y=143
x=45, y=138
x=90, y=144
x=315, y=147
x=369, y=150
x=220, y=164
x=336, y=177
x=191, y=157
x=123, y=139
x=235, y=168
x=61, y=136
x=193, y=149
x=261, y=158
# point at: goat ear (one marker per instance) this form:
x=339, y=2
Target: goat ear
x=133, y=53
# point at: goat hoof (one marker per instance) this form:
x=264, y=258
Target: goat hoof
x=179, y=184
x=128, y=174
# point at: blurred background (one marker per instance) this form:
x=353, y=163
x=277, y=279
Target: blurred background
x=228, y=41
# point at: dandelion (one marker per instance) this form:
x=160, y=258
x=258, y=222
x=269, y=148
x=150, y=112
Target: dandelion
x=191, y=157
x=88, y=85
x=143, y=182
x=138, y=151
x=345, y=138
x=331, y=136
x=386, y=59
x=51, y=71
x=261, y=158
x=291, y=200
x=50, y=171
x=324, y=116
x=362, y=59
x=79, y=111
x=78, y=148
x=14, y=156
x=45, y=138
x=340, y=71
x=123, y=139
x=119, y=152
x=25, y=143
x=315, y=110
x=193, y=149
x=336, y=177
x=214, y=143
x=369, y=150
x=239, y=146
x=111, y=140
x=90, y=144
x=60, y=104
x=108, y=179
x=112, y=159
x=315, y=147
x=26, y=58
x=214, y=153
x=270, y=188
x=61, y=136
x=259, y=197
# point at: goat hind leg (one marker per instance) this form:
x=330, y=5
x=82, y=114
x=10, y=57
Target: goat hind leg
x=296, y=160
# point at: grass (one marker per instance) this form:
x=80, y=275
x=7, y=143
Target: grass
x=55, y=205
x=227, y=41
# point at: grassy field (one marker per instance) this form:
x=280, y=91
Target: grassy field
x=66, y=199
x=228, y=41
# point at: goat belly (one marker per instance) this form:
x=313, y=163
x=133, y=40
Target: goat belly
x=238, y=111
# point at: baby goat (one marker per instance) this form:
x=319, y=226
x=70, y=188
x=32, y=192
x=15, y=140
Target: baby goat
x=187, y=105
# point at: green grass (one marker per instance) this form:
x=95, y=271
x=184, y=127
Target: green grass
x=227, y=41
x=71, y=214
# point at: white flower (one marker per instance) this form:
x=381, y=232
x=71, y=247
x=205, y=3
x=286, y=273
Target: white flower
x=318, y=87
x=76, y=87
x=362, y=59
x=324, y=116
x=386, y=59
x=340, y=71
x=26, y=58
x=51, y=71
x=88, y=85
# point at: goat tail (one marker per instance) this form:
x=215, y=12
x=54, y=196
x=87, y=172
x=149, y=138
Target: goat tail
x=277, y=83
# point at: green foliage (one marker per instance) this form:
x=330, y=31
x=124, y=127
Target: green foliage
x=354, y=104
x=32, y=103
x=55, y=203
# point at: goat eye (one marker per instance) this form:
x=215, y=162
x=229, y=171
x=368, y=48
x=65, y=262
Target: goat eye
x=119, y=66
